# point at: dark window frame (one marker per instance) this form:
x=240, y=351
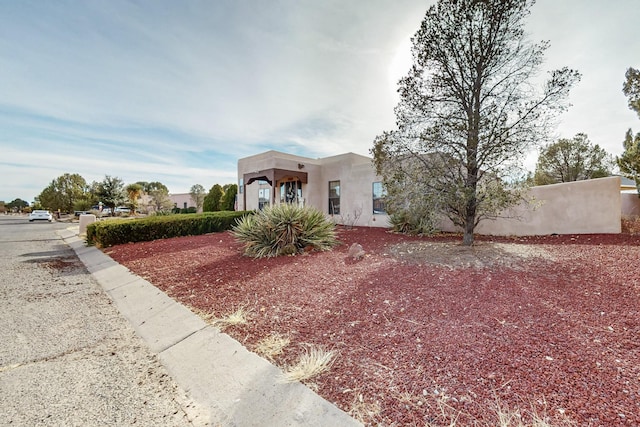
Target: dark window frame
x=334, y=197
x=377, y=197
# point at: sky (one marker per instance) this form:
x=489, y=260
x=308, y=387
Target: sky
x=178, y=91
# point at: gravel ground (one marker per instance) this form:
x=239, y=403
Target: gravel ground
x=67, y=356
x=428, y=332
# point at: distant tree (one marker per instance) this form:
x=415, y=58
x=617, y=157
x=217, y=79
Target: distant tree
x=631, y=88
x=629, y=161
x=83, y=204
x=134, y=192
x=49, y=198
x=148, y=187
x=198, y=193
x=17, y=204
x=159, y=194
x=92, y=194
x=212, y=201
x=111, y=192
x=228, y=202
x=160, y=199
x=468, y=112
x=64, y=192
x=572, y=160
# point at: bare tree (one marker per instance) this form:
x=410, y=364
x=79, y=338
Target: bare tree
x=468, y=110
x=159, y=195
x=198, y=194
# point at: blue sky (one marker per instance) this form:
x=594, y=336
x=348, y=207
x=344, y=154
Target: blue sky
x=178, y=91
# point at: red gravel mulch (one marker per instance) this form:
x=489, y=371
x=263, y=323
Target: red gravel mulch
x=429, y=332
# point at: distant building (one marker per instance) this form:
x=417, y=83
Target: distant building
x=627, y=185
x=182, y=200
x=345, y=186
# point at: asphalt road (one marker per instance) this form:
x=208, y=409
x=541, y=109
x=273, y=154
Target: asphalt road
x=67, y=357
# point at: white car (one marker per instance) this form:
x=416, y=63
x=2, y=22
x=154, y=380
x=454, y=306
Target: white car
x=40, y=215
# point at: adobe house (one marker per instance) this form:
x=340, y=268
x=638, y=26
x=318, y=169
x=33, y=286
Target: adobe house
x=345, y=186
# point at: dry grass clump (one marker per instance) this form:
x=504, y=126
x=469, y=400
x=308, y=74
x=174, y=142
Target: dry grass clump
x=272, y=346
x=238, y=317
x=313, y=362
x=507, y=417
x=446, y=415
x=364, y=411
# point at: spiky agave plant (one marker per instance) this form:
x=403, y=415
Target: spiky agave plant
x=284, y=229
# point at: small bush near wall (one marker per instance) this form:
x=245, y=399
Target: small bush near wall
x=115, y=232
x=631, y=225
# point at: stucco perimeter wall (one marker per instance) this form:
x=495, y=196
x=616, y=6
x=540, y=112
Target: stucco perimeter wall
x=582, y=207
x=630, y=205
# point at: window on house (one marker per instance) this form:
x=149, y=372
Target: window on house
x=334, y=197
x=264, y=196
x=241, y=186
x=290, y=192
x=379, y=192
x=185, y=205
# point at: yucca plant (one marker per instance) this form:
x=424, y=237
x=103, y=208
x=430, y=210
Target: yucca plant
x=284, y=229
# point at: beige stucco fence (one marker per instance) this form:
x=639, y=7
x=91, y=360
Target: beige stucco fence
x=581, y=207
x=630, y=205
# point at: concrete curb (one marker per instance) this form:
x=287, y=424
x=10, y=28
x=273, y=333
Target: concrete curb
x=238, y=387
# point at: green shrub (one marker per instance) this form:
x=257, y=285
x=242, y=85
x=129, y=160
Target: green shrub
x=409, y=222
x=115, y=232
x=284, y=229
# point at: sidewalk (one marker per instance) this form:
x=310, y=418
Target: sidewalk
x=238, y=387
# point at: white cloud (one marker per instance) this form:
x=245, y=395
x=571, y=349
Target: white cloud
x=177, y=92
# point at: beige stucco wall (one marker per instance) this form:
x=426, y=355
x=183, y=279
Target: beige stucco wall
x=630, y=205
x=180, y=199
x=356, y=176
x=277, y=160
x=355, y=173
x=582, y=207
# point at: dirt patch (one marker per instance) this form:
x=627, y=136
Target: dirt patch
x=454, y=255
x=63, y=264
x=427, y=331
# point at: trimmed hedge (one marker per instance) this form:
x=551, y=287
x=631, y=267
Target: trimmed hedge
x=116, y=232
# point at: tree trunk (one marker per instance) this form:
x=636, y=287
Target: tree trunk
x=470, y=224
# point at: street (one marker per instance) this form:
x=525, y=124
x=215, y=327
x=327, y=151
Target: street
x=67, y=357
